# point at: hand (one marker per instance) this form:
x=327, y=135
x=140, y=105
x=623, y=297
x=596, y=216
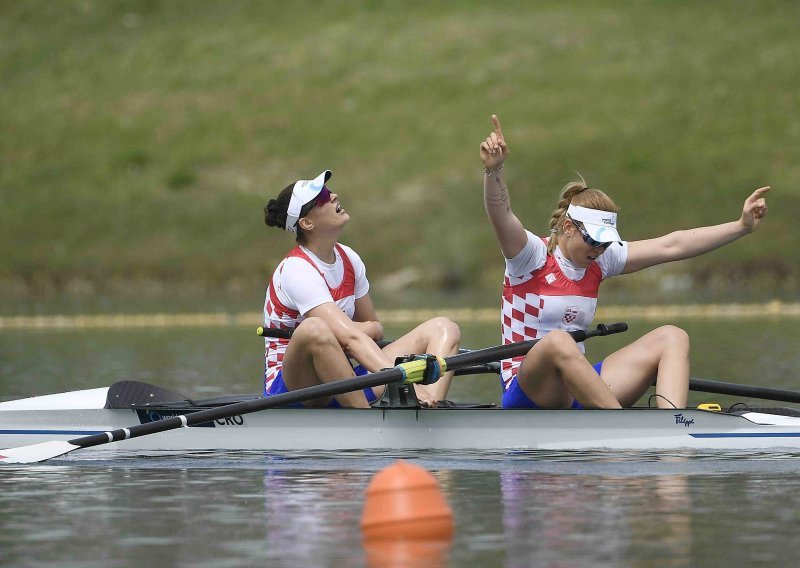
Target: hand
x=494, y=150
x=372, y=329
x=755, y=209
x=377, y=331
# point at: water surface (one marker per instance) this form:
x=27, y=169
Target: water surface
x=520, y=509
x=536, y=508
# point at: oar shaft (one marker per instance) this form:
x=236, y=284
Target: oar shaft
x=287, y=334
x=452, y=363
x=480, y=356
x=485, y=369
x=239, y=408
x=765, y=393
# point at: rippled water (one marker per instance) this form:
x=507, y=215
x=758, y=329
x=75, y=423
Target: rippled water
x=287, y=509
x=520, y=509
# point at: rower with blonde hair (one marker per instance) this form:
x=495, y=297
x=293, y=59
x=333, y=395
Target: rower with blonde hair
x=551, y=286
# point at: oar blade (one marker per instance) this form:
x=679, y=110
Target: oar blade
x=36, y=452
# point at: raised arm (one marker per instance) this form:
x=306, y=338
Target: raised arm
x=694, y=242
x=507, y=228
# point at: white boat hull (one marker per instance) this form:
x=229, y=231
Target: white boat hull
x=72, y=415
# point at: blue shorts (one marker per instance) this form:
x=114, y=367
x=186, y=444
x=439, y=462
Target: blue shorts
x=279, y=387
x=514, y=397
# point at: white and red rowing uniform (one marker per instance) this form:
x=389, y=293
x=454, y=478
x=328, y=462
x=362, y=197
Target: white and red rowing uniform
x=300, y=283
x=544, y=292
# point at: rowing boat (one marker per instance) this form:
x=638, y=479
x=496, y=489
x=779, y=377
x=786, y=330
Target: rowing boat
x=65, y=416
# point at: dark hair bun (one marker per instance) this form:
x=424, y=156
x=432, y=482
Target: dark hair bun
x=275, y=211
x=272, y=214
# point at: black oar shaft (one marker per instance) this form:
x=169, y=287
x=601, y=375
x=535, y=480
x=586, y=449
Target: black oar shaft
x=244, y=407
x=499, y=352
x=338, y=387
x=287, y=334
x=765, y=393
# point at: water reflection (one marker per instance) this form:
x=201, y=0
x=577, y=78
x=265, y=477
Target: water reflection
x=549, y=509
x=405, y=553
x=310, y=515
x=547, y=518
x=671, y=530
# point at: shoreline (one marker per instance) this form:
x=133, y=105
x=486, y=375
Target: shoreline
x=769, y=309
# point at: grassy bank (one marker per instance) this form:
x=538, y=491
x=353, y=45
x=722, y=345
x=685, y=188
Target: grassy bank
x=141, y=140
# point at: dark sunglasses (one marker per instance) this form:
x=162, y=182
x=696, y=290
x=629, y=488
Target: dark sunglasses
x=323, y=196
x=586, y=238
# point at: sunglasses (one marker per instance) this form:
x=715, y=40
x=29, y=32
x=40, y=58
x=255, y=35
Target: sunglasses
x=586, y=238
x=321, y=199
x=323, y=196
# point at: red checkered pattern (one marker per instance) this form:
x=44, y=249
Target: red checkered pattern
x=278, y=316
x=520, y=315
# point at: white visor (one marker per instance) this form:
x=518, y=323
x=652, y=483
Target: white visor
x=601, y=225
x=303, y=192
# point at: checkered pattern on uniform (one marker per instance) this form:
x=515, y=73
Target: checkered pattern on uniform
x=520, y=316
x=276, y=316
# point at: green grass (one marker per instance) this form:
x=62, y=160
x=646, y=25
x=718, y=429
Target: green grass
x=140, y=140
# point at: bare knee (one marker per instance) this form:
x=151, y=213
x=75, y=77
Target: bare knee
x=560, y=345
x=673, y=338
x=313, y=331
x=445, y=327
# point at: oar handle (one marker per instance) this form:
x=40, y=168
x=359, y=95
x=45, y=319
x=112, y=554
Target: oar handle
x=274, y=332
x=510, y=350
x=603, y=329
x=287, y=334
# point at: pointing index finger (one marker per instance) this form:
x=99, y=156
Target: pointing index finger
x=760, y=192
x=497, y=129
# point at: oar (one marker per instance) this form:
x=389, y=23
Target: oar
x=287, y=334
x=699, y=385
x=746, y=391
x=410, y=372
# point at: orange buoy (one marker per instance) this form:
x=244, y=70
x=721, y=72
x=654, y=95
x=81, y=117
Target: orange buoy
x=404, y=501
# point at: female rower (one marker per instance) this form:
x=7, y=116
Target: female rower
x=551, y=284
x=320, y=290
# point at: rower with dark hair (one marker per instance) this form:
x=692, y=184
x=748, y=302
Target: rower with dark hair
x=321, y=292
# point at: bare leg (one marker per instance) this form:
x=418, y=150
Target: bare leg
x=314, y=357
x=438, y=336
x=554, y=371
x=661, y=355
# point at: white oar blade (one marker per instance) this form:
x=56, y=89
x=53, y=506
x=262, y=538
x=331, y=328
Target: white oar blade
x=36, y=452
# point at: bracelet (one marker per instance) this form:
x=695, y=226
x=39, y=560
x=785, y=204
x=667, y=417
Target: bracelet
x=488, y=172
